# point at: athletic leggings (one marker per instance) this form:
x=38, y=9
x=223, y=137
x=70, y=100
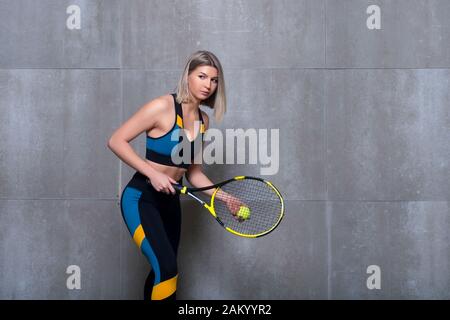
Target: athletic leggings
x=154, y=221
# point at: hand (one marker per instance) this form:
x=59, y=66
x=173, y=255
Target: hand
x=162, y=182
x=233, y=204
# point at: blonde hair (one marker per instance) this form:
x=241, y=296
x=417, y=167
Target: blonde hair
x=217, y=100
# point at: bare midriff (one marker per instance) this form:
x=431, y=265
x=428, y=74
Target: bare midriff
x=173, y=172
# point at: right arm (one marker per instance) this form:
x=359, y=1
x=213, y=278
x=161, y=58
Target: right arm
x=144, y=119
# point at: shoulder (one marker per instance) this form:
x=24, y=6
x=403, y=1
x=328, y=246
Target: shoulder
x=205, y=119
x=159, y=105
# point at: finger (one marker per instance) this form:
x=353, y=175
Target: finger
x=168, y=187
x=173, y=180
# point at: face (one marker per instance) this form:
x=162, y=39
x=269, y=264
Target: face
x=203, y=82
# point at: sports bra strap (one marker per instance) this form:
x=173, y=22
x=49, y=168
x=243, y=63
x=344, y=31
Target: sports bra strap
x=178, y=110
x=200, y=115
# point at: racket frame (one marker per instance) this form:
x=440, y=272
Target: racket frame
x=210, y=206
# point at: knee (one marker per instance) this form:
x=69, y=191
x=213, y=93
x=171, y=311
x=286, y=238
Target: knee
x=168, y=268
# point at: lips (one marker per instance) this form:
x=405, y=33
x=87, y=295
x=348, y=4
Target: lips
x=205, y=93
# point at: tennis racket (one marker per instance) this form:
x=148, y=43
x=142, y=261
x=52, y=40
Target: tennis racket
x=245, y=206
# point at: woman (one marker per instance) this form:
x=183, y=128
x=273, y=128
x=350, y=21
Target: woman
x=149, y=204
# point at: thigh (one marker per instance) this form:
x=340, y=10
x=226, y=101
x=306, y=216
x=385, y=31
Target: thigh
x=155, y=232
x=171, y=218
x=146, y=227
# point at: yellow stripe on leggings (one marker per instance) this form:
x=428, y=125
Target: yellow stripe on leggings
x=139, y=235
x=164, y=289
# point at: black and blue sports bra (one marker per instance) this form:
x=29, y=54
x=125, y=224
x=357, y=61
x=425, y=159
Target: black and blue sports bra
x=160, y=149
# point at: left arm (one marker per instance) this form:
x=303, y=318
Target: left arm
x=194, y=174
x=198, y=179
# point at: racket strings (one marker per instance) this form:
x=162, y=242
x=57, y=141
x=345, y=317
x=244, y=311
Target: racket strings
x=265, y=206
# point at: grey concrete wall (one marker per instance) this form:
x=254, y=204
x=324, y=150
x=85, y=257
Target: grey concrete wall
x=364, y=145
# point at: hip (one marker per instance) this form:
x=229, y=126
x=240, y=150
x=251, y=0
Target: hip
x=139, y=182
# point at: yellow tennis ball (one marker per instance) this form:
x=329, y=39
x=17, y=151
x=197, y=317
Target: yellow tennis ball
x=244, y=212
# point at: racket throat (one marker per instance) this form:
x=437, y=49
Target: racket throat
x=198, y=199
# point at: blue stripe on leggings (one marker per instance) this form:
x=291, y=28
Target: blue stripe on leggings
x=130, y=208
x=148, y=252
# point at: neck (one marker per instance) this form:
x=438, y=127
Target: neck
x=191, y=106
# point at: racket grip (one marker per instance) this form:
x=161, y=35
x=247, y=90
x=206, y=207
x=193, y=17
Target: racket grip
x=177, y=187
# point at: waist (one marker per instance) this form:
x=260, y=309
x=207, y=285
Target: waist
x=142, y=178
x=175, y=173
x=141, y=182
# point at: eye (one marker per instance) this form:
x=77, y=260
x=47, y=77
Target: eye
x=201, y=76
x=215, y=80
